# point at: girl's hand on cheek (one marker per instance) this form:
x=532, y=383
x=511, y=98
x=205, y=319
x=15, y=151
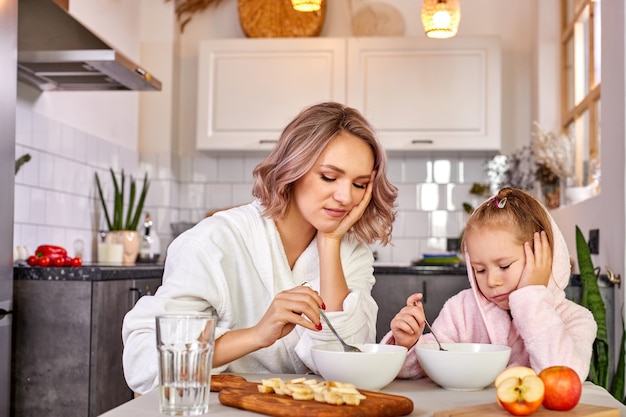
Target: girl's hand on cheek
x=538, y=266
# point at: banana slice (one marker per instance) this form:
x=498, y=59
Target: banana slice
x=330, y=392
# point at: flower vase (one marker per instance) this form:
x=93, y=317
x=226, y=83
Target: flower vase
x=131, y=242
x=551, y=192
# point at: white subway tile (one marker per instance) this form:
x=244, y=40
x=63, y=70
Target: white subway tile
x=218, y=196
x=406, y=199
x=418, y=170
x=230, y=169
x=395, y=169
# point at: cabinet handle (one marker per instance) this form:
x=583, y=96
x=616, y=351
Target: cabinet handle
x=135, y=294
x=264, y=141
x=423, y=141
x=424, y=292
x=4, y=312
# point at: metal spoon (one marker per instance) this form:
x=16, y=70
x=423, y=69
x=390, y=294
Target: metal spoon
x=433, y=333
x=346, y=347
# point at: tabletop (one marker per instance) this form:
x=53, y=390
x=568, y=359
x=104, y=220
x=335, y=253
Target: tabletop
x=427, y=398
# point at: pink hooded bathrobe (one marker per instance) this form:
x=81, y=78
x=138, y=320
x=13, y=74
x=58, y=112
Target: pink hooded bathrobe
x=543, y=328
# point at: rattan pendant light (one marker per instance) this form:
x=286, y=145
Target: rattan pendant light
x=306, y=5
x=440, y=18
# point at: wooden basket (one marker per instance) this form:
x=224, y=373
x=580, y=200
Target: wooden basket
x=278, y=19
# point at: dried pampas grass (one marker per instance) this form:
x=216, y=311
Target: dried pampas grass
x=185, y=9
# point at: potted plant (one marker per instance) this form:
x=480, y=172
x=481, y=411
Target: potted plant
x=599, y=372
x=122, y=225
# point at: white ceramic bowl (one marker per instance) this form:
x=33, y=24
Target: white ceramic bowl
x=465, y=366
x=372, y=369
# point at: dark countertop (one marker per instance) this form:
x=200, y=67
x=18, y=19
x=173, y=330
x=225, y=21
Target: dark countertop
x=392, y=269
x=87, y=272
x=97, y=272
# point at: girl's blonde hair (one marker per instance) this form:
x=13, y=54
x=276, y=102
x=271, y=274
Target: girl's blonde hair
x=299, y=146
x=511, y=206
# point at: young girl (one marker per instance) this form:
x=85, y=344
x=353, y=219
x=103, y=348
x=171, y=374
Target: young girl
x=518, y=267
x=322, y=195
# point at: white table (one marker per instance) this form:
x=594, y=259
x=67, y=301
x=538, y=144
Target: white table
x=426, y=395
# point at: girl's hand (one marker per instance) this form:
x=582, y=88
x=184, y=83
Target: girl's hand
x=408, y=325
x=297, y=306
x=538, y=266
x=355, y=213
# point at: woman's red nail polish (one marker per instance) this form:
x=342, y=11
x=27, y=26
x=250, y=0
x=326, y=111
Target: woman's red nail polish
x=323, y=306
x=318, y=326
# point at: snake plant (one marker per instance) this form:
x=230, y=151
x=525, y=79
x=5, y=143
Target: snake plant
x=599, y=371
x=131, y=220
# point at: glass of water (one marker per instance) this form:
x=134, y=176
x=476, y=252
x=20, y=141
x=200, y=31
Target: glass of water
x=185, y=343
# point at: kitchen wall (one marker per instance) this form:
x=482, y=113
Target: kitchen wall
x=72, y=135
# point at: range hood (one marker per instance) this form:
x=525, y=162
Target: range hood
x=56, y=52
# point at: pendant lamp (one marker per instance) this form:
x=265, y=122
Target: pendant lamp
x=440, y=18
x=306, y=5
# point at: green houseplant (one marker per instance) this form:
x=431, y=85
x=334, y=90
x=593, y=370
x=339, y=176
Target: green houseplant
x=599, y=371
x=121, y=244
x=119, y=221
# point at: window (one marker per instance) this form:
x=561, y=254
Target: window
x=580, y=85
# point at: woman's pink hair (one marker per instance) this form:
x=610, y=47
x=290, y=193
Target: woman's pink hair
x=299, y=146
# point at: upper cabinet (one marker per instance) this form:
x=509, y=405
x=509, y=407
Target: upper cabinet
x=420, y=94
x=249, y=89
x=428, y=94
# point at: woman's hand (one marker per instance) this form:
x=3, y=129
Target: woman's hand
x=354, y=214
x=407, y=326
x=296, y=306
x=538, y=266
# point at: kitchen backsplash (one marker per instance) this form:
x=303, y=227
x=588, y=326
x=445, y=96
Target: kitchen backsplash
x=55, y=193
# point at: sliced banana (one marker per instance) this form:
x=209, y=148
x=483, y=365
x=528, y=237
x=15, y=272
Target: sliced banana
x=330, y=392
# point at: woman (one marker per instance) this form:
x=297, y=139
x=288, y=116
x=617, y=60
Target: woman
x=322, y=196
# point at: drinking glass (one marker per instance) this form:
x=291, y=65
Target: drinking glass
x=185, y=343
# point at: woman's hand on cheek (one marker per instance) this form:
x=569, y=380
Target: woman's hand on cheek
x=355, y=213
x=538, y=265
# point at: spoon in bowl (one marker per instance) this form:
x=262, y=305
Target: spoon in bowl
x=433, y=333
x=346, y=347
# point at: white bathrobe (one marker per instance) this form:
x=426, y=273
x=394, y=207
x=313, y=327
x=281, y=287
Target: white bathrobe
x=543, y=328
x=233, y=264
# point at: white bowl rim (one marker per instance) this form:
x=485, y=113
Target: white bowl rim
x=384, y=348
x=492, y=348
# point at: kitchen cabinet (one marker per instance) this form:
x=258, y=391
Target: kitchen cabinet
x=420, y=94
x=428, y=94
x=67, y=342
x=392, y=290
x=249, y=89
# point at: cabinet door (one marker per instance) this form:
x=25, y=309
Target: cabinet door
x=428, y=94
x=249, y=89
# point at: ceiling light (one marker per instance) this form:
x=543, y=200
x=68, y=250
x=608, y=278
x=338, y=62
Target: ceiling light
x=440, y=18
x=306, y=5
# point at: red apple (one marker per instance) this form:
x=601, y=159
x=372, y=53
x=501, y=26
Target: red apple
x=518, y=371
x=562, y=388
x=520, y=396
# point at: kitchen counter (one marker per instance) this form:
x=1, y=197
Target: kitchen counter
x=96, y=272
x=404, y=269
x=93, y=272
x=427, y=398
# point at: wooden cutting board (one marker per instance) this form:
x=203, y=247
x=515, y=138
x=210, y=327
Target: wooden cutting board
x=236, y=391
x=494, y=410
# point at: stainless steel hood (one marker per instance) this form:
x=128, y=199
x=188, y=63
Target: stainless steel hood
x=56, y=52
